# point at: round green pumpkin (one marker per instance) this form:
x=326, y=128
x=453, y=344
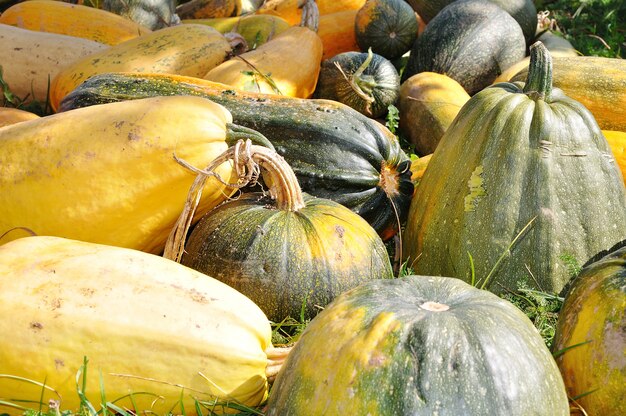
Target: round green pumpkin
x=520, y=183
x=389, y=27
x=471, y=41
x=290, y=253
x=590, y=341
x=419, y=346
x=367, y=82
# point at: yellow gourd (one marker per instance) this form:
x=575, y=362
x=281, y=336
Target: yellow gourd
x=146, y=325
x=72, y=19
x=189, y=50
x=10, y=116
x=107, y=174
x=337, y=33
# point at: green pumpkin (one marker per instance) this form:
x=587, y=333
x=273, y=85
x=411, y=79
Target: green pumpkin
x=290, y=253
x=153, y=14
x=419, y=346
x=522, y=181
x=590, y=341
x=389, y=27
x=471, y=41
x=366, y=82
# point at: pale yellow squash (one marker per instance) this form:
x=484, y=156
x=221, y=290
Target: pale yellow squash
x=190, y=50
x=72, y=19
x=10, y=116
x=144, y=323
x=107, y=174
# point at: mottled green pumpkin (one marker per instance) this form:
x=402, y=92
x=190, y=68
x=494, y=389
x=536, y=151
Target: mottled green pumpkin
x=471, y=41
x=590, y=341
x=367, y=82
x=291, y=254
x=520, y=183
x=419, y=346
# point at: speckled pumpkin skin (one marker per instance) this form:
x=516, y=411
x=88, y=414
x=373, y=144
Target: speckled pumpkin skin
x=593, y=317
x=378, y=350
x=283, y=259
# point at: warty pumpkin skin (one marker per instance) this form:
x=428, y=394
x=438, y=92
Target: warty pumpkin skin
x=190, y=50
x=73, y=20
x=590, y=340
x=290, y=253
x=106, y=174
x=336, y=152
x=419, y=345
x=521, y=164
x=471, y=41
x=144, y=323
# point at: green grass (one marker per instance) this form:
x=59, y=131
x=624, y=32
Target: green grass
x=593, y=27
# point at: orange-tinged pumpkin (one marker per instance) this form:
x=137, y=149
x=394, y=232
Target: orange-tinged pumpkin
x=291, y=11
x=337, y=33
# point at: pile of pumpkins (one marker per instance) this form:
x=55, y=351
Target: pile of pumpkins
x=208, y=168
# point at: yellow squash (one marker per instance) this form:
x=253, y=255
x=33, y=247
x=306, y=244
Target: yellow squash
x=72, y=19
x=189, y=50
x=107, y=174
x=10, y=116
x=146, y=325
x=291, y=10
x=289, y=64
x=31, y=59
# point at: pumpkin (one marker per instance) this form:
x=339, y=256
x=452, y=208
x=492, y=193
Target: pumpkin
x=523, y=11
x=590, y=344
x=556, y=44
x=10, y=116
x=428, y=104
x=184, y=49
x=617, y=141
x=336, y=30
x=106, y=174
x=72, y=19
x=366, y=82
x=289, y=64
x=291, y=10
x=141, y=323
x=336, y=152
x=598, y=83
x=389, y=27
x=30, y=59
x=521, y=180
x=419, y=345
x=153, y=14
x=471, y=41
x=289, y=253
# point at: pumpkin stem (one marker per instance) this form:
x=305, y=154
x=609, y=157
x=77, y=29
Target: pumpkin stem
x=276, y=356
x=247, y=160
x=361, y=85
x=539, y=82
x=310, y=15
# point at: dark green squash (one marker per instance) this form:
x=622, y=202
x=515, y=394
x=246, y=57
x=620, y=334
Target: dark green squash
x=366, y=82
x=419, y=346
x=471, y=41
x=290, y=253
x=336, y=152
x=389, y=27
x=522, y=181
x=523, y=11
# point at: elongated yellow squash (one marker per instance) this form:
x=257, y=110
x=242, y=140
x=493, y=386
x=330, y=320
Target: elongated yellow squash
x=145, y=324
x=289, y=65
x=72, y=19
x=10, y=116
x=190, y=50
x=107, y=174
x=31, y=59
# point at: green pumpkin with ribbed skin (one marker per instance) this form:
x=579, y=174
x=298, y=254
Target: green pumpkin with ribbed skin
x=389, y=27
x=366, y=82
x=336, y=152
x=522, y=181
x=291, y=254
x=590, y=340
x=471, y=41
x=419, y=346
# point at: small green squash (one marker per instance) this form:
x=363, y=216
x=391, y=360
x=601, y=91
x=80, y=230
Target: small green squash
x=367, y=82
x=590, y=341
x=290, y=253
x=389, y=27
x=419, y=346
x=471, y=41
x=336, y=152
x=522, y=180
